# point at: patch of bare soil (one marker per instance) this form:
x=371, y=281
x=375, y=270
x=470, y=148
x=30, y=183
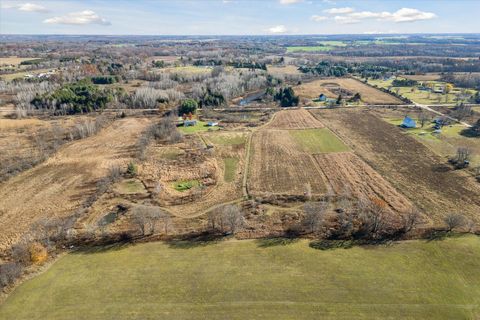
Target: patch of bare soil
x=408, y=165
x=58, y=186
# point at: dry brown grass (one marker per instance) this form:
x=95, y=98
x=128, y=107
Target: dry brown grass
x=349, y=175
x=279, y=167
x=288, y=69
x=369, y=95
x=413, y=169
x=423, y=77
x=58, y=186
x=13, y=60
x=294, y=119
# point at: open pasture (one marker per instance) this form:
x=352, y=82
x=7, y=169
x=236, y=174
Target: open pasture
x=15, y=61
x=422, y=176
x=369, y=95
x=410, y=280
x=279, y=70
x=424, y=77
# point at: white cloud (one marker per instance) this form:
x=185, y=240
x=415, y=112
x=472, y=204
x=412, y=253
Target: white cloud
x=409, y=15
x=28, y=7
x=339, y=10
x=79, y=18
x=402, y=15
x=318, y=18
x=32, y=7
x=277, y=29
x=290, y=1
x=345, y=20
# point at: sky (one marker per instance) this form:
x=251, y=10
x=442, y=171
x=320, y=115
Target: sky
x=238, y=17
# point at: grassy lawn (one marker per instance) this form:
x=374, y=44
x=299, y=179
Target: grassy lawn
x=318, y=140
x=185, y=185
x=199, y=127
x=257, y=280
x=230, y=169
x=310, y=48
x=130, y=186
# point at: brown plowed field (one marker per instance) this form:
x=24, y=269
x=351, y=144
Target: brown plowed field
x=369, y=94
x=294, y=119
x=279, y=167
x=58, y=186
x=346, y=172
x=408, y=165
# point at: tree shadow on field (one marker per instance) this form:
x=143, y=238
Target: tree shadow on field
x=274, y=242
x=440, y=168
x=196, y=240
x=103, y=248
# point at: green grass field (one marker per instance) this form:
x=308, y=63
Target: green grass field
x=310, y=48
x=185, y=185
x=257, y=280
x=318, y=140
x=201, y=126
x=230, y=169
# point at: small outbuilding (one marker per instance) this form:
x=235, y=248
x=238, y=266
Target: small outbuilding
x=190, y=123
x=322, y=97
x=408, y=123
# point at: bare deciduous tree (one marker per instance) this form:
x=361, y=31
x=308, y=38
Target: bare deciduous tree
x=314, y=215
x=454, y=221
x=410, y=220
x=233, y=217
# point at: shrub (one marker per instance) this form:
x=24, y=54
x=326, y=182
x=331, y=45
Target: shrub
x=132, y=169
x=38, y=253
x=188, y=106
x=9, y=272
x=104, y=79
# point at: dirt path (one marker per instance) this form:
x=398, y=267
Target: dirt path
x=58, y=186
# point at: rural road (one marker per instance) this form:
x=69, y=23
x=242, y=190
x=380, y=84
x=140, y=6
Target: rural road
x=428, y=108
